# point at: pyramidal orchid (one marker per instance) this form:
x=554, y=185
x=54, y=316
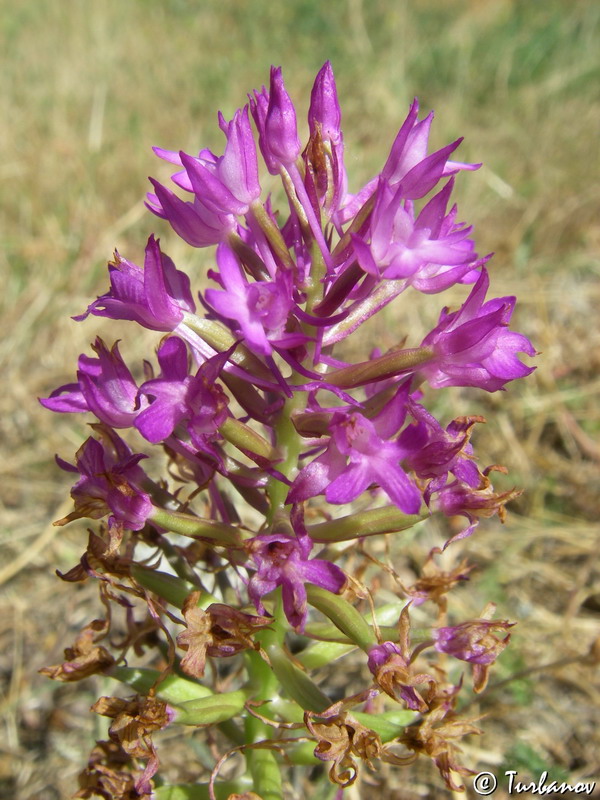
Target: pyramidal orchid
x=155, y=296
x=282, y=559
x=271, y=459
x=105, y=387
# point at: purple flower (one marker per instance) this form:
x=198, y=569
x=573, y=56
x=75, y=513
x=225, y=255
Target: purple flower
x=110, y=482
x=324, y=154
x=408, y=163
x=392, y=672
x=408, y=168
x=470, y=500
x=282, y=559
x=193, y=221
x=431, y=252
x=433, y=452
x=105, y=387
x=392, y=667
x=360, y=454
x=275, y=118
x=324, y=113
x=223, y=185
x=260, y=309
x=156, y=296
x=238, y=166
x=474, y=347
x=176, y=396
x=474, y=641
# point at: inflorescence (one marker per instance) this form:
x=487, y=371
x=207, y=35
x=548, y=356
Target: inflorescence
x=248, y=432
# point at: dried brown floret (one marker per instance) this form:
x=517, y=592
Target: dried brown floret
x=85, y=658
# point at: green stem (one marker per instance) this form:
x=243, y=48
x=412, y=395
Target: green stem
x=356, y=225
x=246, y=438
x=363, y=310
x=262, y=764
x=173, y=589
x=220, y=339
x=248, y=257
x=287, y=442
x=265, y=773
x=389, y=724
x=318, y=270
x=172, y=689
x=320, y=654
x=213, y=709
x=297, y=683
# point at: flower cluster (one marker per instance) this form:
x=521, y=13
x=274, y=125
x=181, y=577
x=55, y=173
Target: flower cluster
x=248, y=397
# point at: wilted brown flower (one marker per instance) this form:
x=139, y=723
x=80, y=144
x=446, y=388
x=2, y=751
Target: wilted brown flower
x=135, y=720
x=101, y=557
x=105, y=777
x=338, y=739
x=220, y=631
x=435, y=736
x=434, y=584
x=392, y=666
x=86, y=657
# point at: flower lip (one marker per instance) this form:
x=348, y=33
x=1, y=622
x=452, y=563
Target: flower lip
x=105, y=387
x=282, y=559
x=360, y=453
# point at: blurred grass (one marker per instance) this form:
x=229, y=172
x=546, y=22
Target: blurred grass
x=86, y=88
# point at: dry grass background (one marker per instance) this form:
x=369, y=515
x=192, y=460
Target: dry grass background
x=88, y=87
